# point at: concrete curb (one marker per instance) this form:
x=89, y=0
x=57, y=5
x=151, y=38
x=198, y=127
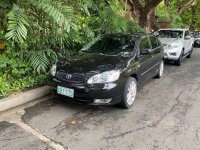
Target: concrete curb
x=24, y=97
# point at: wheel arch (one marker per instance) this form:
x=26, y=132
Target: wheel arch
x=181, y=50
x=135, y=76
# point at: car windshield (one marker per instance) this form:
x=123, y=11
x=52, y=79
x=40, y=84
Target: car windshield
x=111, y=44
x=170, y=34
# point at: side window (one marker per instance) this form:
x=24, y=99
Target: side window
x=154, y=42
x=144, y=43
x=187, y=33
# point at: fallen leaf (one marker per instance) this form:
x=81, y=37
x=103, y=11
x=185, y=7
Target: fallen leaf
x=73, y=122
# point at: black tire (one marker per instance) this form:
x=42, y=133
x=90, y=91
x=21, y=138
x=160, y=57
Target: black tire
x=160, y=70
x=124, y=103
x=179, y=62
x=197, y=43
x=189, y=56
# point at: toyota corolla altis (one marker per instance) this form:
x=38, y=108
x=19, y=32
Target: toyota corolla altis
x=109, y=70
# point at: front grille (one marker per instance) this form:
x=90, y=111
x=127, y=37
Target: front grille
x=76, y=78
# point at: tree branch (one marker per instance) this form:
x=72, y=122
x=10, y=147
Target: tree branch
x=151, y=3
x=186, y=5
x=134, y=3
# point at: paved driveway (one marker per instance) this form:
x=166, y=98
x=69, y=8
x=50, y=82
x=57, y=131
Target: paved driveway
x=165, y=116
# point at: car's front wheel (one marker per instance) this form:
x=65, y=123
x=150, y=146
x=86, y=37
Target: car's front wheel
x=129, y=94
x=161, y=69
x=179, y=62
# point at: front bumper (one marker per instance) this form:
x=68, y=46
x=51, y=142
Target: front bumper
x=172, y=54
x=84, y=93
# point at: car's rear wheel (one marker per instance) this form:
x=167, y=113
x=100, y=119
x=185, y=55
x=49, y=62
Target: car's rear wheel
x=129, y=94
x=161, y=70
x=197, y=43
x=179, y=62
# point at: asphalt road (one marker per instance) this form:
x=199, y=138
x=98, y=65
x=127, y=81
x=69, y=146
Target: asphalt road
x=165, y=116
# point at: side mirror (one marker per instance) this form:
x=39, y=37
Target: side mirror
x=156, y=34
x=188, y=37
x=145, y=51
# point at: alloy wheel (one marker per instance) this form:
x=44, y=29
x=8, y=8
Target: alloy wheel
x=132, y=89
x=161, y=68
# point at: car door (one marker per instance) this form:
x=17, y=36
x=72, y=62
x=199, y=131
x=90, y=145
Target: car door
x=145, y=60
x=187, y=40
x=156, y=53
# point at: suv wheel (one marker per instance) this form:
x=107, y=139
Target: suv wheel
x=179, y=62
x=129, y=94
x=161, y=70
x=190, y=54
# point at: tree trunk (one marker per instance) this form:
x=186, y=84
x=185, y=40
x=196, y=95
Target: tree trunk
x=143, y=19
x=193, y=22
x=143, y=13
x=153, y=20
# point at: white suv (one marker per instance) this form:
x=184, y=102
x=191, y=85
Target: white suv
x=178, y=44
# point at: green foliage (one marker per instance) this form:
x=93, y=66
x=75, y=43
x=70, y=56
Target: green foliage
x=163, y=12
x=59, y=13
x=5, y=7
x=41, y=24
x=177, y=22
x=112, y=23
x=102, y=17
x=17, y=24
x=41, y=60
x=169, y=14
x=4, y=86
x=191, y=16
x=16, y=74
x=48, y=24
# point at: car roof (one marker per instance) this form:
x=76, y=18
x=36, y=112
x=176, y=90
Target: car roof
x=124, y=33
x=173, y=29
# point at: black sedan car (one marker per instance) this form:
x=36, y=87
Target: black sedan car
x=109, y=70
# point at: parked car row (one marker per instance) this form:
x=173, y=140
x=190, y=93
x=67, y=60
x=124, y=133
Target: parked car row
x=110, y=69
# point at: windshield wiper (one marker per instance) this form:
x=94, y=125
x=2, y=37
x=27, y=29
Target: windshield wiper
x=95, y=52
x=87, y=51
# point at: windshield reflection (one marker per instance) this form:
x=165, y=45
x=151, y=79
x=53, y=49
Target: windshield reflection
x=111, y=44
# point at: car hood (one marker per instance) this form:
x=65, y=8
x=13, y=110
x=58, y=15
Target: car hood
x=168, y=41
x=92, y=63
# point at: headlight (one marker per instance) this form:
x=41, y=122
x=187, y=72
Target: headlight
x=53, y=70
x=105, y=77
